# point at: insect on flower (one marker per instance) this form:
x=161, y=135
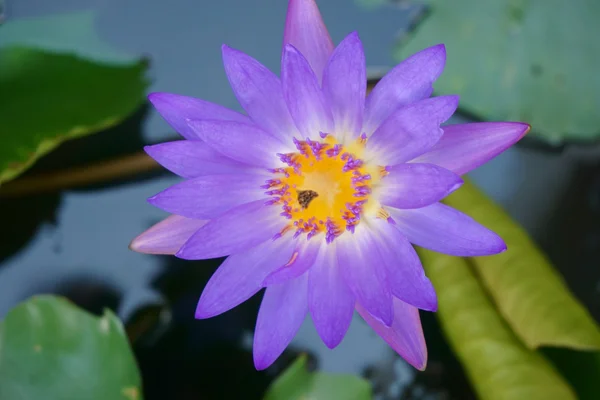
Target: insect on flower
x=317, y=193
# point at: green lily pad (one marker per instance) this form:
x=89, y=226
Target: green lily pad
x=65, y=32
x=52, y=350
x=534, y=61
x=499, y=365
x=48, y=98
x=297, y=383
x=528, y=291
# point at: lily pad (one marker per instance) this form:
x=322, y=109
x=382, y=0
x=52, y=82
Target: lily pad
x=47, y=98
x=534, y=61
x=499, y=365
x=297, y=383
x=529, y=293
x=50, y=349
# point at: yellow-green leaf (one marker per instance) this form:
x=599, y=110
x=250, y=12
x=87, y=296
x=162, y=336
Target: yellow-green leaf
x=528, y=291
x=52, y=350
x=498, y=364
x=47, y=98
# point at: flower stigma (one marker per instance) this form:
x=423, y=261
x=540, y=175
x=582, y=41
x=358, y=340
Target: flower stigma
x=325, y=186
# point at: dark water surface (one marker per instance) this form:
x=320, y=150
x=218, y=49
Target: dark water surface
x=75, y=242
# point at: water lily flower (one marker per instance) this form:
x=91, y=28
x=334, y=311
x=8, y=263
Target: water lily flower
x=318, y=192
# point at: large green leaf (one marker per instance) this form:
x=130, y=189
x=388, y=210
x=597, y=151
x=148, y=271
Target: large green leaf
x=499, y=366
x=52, y=350
x=527, y=290
x=535, y=61
x=297, y=383
x=47, y=98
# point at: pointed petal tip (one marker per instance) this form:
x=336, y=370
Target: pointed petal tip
x=140, y=245
x=439, y=48
x=421, y=366
x=154, y=96
x=201, y=312
x=260, y=363
x=332, y=343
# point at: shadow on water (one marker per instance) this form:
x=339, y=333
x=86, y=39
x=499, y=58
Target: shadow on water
x=25, y=214
x=572, y=240
x=22, y=218
x=185, y=358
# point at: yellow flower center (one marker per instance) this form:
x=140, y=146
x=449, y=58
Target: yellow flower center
x=325, y=187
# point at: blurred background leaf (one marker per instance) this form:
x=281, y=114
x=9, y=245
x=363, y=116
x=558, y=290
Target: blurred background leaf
x=62, y=32
x=529, y=293
x=50, y=349
x=55, y=97
x=297, y=383
x=496, y=361
x=520, y=60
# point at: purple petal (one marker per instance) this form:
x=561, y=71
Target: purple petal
x=209, y=196
x=405, y=273
x=259, y=91
x=193, y=158
x=305, y=30
x=245, y=143
x=345, y=85
x=443, y=229
x=167, y=236
x=408, y=82
x=330, y=301
x=412, y=130
x=239, y=229
x=302, y=259
x=405, y=335
x=416, y=185
x=282, y=311
x=176, y=110
x=465, y=147
x=303, y=95
x=241, y=275
x=363, y=271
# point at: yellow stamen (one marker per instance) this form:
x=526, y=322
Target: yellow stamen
x=324, y=188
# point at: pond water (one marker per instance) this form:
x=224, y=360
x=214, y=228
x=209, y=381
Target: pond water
x=75, y=242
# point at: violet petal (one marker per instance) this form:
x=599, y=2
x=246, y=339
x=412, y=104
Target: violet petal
x=303, y=95
x=363, y=271
x=193, y=158
x=411, y=130
x=409, y=81
x=259, y=91
x=237, y=230
x=330, y=301
x=345, y=85
x=305, y=30
x=210, y=196
x=302, y=259
x=282, y=311
x=464, y=147
x=167, y=236
x=246, y=143
x=404, y=270
x=177, y=109
x=416, y=185
x=405, y=335
x=443, y=229
x=240, y=276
